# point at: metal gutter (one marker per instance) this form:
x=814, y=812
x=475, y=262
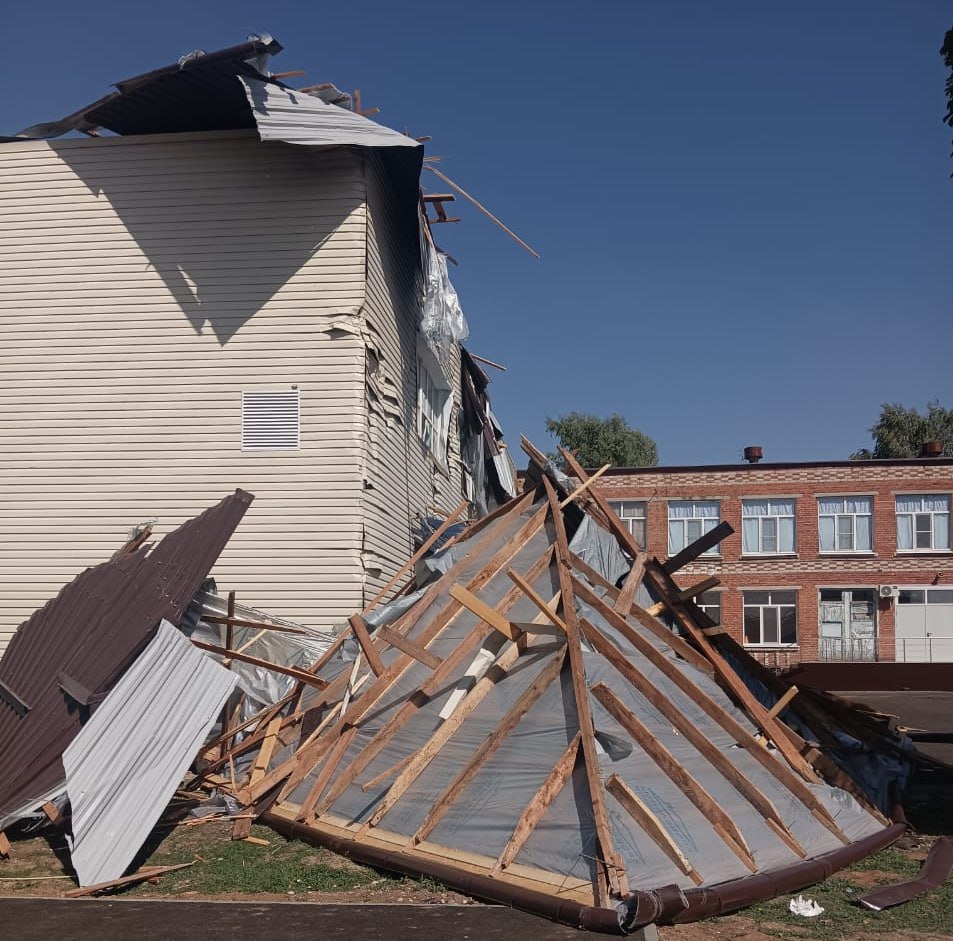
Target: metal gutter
x=933, y=873
x=665, y=905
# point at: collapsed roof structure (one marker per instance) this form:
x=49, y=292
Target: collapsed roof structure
x=529, y=733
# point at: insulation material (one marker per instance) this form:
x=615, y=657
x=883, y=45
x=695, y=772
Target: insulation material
x=125, y=764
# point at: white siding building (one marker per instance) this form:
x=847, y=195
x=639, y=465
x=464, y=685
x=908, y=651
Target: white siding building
x=186, y=313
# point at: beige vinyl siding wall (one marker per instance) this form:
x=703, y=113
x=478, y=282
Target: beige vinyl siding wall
x=401, y=479
x=144, y=283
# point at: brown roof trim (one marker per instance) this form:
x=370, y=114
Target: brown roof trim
x=780, y=465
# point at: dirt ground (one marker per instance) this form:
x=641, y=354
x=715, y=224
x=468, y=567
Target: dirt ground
x=276, y=869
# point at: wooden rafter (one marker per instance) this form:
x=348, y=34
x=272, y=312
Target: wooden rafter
x=614, y=868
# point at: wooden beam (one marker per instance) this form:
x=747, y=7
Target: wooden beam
x=733, y=683
x=630, y=586
x=444, y=732
x=296, y=768
x=527, y=699
x=782, y=703
x=144, y=874
x=409, y=647
x=300, y=675
x=627, y=669
x=691, y=552
x=448, y=672
x=707, y=806
x=242, y=828
x=536, y=809
x=253, y=625
x=417, y=556
x=486, y=362
x=483, y=611
x=659, y=630
x=367, y=645
x=612, y=862
x=544, y=609
x=328, y=767
x=4, y=845
x=706, y=584
x=583, y=487
x=652, y=826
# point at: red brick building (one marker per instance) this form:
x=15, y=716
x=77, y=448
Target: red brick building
x=838, y=560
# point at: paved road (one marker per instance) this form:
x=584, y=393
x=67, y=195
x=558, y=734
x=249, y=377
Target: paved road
x=157, y=920
x=916, y=709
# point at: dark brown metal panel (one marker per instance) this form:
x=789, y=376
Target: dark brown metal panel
x=91, y=632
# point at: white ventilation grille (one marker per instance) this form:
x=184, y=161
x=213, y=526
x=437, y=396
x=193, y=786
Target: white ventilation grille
x=270, y=421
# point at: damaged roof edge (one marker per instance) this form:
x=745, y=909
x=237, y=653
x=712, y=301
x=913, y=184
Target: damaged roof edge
x=90, y=116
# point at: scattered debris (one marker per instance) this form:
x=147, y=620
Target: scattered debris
x=806, y=908
x=934, y=872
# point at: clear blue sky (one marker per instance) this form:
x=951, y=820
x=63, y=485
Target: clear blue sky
x=744, y=209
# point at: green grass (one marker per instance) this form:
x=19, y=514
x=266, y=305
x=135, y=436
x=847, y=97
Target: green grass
x=284, y=866
x=844, y=919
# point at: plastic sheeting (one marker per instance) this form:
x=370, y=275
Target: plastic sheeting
x=125, y=764
x=441, y=320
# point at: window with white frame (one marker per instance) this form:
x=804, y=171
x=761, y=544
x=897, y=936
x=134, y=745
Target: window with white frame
x=845, y=524
x=433, y=413
x=767, y=526
x=689, y=520
x=923, y=522
x=770, y=618
x=632, y=514
x=271, y=420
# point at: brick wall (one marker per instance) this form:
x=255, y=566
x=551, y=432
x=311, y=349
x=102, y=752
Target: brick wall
x=808, y=570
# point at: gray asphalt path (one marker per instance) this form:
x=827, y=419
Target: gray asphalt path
x=26, y=919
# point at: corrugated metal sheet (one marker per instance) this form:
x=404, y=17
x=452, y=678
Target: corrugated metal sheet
x=85, y=639
x=283, y=114
x=125, y=764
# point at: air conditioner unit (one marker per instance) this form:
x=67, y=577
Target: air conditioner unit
x=888, y=591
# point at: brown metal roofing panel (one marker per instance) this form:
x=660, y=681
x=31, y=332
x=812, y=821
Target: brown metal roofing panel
x=90, y=633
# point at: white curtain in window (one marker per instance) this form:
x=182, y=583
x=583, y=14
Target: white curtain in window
x=755, y=508
x=904, y=530
x=857, y=504
x=676, y=536
x=936, y=503
x=749, y=535
x=786, y=534
x=825, y=526
x=941, y=530
x=781, y=508
x=830, y=505
x=689, y=509
x=862, y=534
x=911, y=503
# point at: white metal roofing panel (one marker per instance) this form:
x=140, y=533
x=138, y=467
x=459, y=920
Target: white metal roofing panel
x=125, y=764
x=287, y=115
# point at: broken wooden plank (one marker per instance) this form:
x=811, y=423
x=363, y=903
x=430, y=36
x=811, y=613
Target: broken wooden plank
x=398, y=640
x=328, y=768
x=300, y=675
x=242, y=827
x=483, y=611
x=693, y=790
x=652, y=826
x=534, y=811
x=701, y=545
x=367, y=645
x=687, y=594
x=584, y=486
x=144, y=874
x=631, y=584
x=4, y=845
x=544, y=609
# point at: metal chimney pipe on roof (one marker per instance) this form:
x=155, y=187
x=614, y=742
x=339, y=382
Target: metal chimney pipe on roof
x=753, y=454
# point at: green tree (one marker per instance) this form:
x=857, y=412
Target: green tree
x=900, y=431
x=597, y=441
x=947, y=52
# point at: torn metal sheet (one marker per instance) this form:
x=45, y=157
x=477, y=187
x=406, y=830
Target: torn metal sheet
x=85, y=638
x=126, y=762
